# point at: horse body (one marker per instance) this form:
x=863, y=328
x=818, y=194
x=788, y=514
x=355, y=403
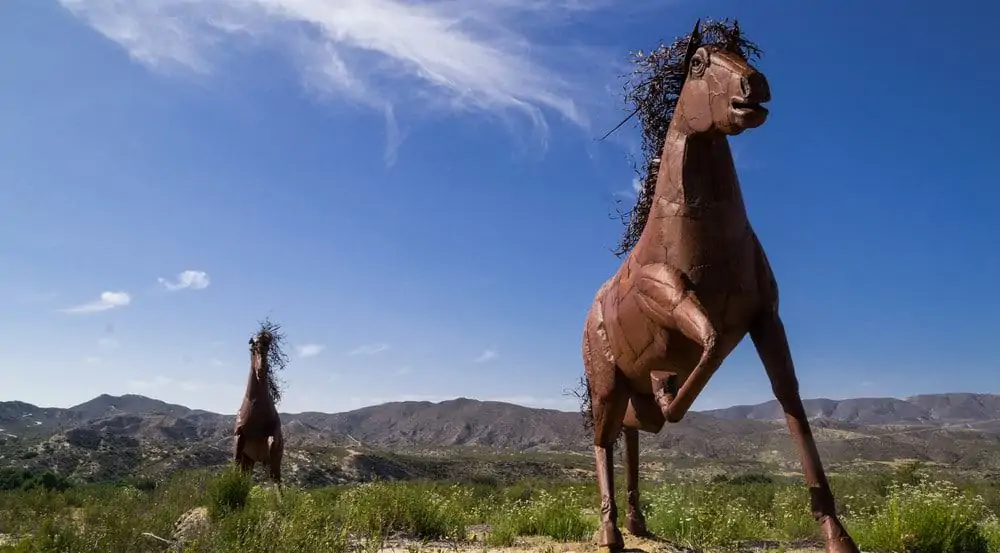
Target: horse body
x=723, y=276
x=258, y=436
x=695, y=284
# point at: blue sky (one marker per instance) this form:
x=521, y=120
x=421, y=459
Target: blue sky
x=414, y=190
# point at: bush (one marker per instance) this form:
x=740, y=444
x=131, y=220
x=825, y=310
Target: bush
x=380, y=509
x=929, y=517
x=554, y=515
x=228, y=492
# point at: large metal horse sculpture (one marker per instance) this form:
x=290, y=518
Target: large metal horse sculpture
x=258, y=436
x=694, y=285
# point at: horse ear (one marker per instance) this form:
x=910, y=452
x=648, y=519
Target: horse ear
x=693, y=43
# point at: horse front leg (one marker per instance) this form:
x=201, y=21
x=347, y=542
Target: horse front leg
x=768, y=335
x=664, y=296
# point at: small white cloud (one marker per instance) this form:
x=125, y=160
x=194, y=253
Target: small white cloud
x=486, y=355
x=91, y=360
x=404, y=371
x=108, y=300
x=633, y=192
x=218, y=363
x=309, y=350
x=187, y=280
x=107, y=343
x=636, y=185
x=369, y=349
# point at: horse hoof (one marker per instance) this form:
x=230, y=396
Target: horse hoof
x=841, y=545
x=837, y=539
x=636, y=525
x=609, y=536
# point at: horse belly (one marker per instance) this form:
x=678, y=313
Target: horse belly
x=257, y=449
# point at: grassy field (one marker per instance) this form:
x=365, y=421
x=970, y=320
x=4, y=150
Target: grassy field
x=891, y=512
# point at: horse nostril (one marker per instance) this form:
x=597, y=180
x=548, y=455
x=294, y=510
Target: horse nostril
x=756, y=85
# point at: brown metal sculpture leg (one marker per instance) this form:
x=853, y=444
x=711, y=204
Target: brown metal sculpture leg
x=238, y=444
x=768, y=336
x=609, y=412
x=635, y=522
x=275, y=453
x=608, y=534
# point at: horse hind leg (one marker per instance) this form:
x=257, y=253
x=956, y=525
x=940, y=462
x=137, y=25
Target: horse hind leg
x=608, y=415
x=609, y=405
x=275, y=452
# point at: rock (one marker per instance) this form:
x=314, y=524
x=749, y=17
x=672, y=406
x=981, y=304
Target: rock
x=190, y=525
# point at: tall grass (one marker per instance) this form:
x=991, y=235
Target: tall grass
x=886, y=514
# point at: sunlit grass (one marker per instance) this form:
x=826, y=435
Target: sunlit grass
x=884, y=514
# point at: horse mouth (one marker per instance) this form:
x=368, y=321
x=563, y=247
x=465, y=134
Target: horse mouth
x=746, y=107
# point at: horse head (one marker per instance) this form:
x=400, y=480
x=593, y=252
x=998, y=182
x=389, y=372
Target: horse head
x=722, y=90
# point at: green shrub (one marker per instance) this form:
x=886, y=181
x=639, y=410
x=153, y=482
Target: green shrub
x=228, y=491
x=554, y=515
x=929, y=517
x=380, y=509
x=704, y=515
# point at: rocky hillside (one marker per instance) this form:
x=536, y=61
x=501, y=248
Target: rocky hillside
x=111, y=437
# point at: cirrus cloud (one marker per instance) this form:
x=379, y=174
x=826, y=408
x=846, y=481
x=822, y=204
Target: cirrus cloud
x=108, y=300
x=369, y=349
x=436, y=55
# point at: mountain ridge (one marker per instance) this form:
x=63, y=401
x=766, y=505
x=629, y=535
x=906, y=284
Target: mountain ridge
x=110, y=436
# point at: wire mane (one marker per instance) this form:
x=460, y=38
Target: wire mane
x=277, y=359
x=652, y=89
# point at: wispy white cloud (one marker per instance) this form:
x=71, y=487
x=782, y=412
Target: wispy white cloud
x=187, y=280
x=633, y=191
x=309, y=350
x=217, y=363
x=387, y=55
x=108, y=300
x=92, y=360
x=404, y=371
x=107, y=343
x=369, y=349
x=486, y=355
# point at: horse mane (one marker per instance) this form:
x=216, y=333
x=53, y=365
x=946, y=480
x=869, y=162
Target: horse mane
x=652, y=89
x=277, y=359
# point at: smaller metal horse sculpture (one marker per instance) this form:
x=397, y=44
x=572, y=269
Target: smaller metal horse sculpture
x=258, y=426
x=694, y=284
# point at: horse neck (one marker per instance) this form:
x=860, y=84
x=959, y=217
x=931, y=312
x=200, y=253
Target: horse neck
x=256, y=388
x=697, y=171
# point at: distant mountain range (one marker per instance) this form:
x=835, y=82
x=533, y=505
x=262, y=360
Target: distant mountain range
x=109, y=437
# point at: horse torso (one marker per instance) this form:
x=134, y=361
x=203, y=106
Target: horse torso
x=257, y=418
x=706, y=236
